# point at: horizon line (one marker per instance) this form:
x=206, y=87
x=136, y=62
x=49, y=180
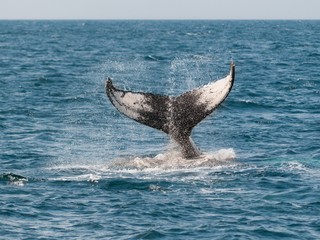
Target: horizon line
x=159, y=19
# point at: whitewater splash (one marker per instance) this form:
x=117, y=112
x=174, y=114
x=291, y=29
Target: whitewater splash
x=173, y=160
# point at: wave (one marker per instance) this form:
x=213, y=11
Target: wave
x=13, y=179
x=160, y=172
x=155, y=58
x=250, y=104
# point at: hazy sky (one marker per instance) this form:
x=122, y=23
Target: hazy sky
x=159, y=9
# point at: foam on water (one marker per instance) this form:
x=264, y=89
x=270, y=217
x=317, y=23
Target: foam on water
x=170, y=162
x=173, y=160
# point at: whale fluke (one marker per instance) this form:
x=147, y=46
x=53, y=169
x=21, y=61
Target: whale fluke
x=176, y=116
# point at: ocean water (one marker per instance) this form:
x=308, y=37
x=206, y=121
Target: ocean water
x=72, y=167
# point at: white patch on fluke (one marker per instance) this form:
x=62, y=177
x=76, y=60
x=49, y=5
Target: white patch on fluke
x=130, y=103
x=214, y=93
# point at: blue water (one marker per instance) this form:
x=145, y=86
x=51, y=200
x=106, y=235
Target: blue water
x=72, y=167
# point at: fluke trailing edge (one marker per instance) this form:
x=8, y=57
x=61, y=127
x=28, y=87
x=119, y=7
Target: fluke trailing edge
x=176, y=116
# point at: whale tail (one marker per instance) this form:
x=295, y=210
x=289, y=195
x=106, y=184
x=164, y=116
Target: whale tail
x=176, y=116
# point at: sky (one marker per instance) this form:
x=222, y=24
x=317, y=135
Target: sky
x=159, y=9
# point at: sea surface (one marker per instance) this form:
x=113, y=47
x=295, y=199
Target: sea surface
x=72, y=167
